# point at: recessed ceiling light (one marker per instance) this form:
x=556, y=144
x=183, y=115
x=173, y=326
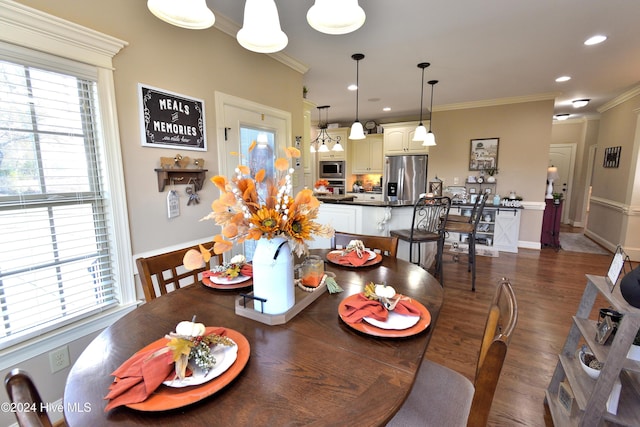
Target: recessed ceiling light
x=563, y=79
x=563, y=116
x=352, y=87
x=579, y=103
x=595, y=40
x=386, y=109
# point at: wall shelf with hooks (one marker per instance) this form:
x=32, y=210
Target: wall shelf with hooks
x=180, y=176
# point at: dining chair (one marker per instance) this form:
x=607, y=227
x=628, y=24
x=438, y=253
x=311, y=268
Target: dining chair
x=385, y=245
x=30, y=410
x=162, y=273
x=443, y=397
x=465, y=218
x=470, y=228
x=427, y=225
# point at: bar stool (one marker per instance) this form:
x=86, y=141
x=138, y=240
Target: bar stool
x=469, y=228
x=428, y=225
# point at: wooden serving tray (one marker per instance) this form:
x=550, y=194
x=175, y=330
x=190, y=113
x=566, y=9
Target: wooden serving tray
x=303, y=299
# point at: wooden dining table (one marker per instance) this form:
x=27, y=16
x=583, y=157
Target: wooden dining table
x=314, y=370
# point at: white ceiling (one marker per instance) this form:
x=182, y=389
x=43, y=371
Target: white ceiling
x=479, y=50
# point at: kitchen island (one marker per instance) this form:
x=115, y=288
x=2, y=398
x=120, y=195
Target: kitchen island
x=499, y=227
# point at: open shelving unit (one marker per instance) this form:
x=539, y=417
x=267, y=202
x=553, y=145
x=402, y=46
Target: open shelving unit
x=590, y=396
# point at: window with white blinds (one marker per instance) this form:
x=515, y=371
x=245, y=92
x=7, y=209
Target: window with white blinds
x=55, y=250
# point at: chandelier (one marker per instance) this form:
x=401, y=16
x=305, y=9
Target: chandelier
x=323, y=140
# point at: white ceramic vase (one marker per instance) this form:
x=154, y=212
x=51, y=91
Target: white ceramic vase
x=273, y=275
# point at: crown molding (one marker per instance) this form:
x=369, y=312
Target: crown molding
x=230, y=28
x=620, y=99
x=499, y=101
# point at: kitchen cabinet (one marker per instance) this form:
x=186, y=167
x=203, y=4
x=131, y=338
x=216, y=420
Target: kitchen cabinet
x=589, y=406
x=336, y=155
x=366, y=196
x=398, y=139
x=367, y=155
x=499, y=226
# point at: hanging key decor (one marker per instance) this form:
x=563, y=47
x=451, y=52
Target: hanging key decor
x=194, y=199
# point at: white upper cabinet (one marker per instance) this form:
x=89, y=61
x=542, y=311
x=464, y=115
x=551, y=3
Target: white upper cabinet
x=398, y=139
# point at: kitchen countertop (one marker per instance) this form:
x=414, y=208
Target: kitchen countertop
x=349, y=200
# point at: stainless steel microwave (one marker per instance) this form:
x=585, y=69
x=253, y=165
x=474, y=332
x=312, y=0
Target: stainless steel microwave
x=331, y=169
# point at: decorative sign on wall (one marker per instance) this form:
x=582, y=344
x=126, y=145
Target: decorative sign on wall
x=170, y=120
x=484, y=154
x=612, y=157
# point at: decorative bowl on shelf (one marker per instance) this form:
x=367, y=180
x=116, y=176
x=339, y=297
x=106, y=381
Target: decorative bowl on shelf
x=589, y=363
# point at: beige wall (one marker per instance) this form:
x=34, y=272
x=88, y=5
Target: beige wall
x=614, y=217
x=190, y=62
x=524, y=130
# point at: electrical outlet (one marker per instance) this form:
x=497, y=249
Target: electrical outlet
x=59, y=359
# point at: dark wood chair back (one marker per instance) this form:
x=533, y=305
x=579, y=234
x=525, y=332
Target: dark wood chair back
x=430, y=215
x=163, y=273
x=385, y=245
x=501, y=322
x=30, y=410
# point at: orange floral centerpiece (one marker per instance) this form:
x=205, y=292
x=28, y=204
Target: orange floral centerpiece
x=243, y=214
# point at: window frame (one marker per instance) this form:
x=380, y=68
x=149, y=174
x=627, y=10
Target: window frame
x=22, y=27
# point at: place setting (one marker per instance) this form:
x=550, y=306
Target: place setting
x=235, y=274
x=379, y=311
x=355, y=254
x=183, y=367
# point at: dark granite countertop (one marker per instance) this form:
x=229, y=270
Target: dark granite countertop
x=349, y=200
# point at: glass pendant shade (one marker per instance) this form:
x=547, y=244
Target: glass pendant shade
x=357, y=132
x=337, y=147
x=190, y=14
x=336, y=16
x=429, y=140
x=421, y=133
x=261, y=30
x=323, y=148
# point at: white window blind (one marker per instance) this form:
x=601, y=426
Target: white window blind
x=55, y=251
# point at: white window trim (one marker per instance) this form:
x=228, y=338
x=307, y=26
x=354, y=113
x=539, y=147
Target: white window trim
x=33, y=29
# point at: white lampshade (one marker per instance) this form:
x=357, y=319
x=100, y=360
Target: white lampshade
x=552, y=173
x=357, y=132
x=336, y=16
x=261, y=30
x=312, y=148
x=420, y=134
x=323, y=148
x=429, y=140
x=190, y=14
x=337, y=147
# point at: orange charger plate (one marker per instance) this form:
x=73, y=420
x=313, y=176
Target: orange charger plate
x=334, y=257
x=166, y=398
x=367, y=328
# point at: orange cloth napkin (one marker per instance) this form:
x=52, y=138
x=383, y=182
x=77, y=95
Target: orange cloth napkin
x=353, y=258
x=142, y=374
x=361, y=306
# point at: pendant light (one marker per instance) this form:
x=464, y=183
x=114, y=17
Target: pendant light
x=322, y=141
x=336, y=16
x=430, y=140
x=190, y=14
x=421, y=132
x=261, y=30
x=357, y=132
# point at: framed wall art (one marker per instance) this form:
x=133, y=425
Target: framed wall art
x=171, y=120
x=612, y=157
x=483, y=154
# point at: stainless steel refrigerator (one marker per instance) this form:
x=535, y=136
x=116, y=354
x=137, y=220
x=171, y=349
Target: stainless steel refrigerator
x=405, y=177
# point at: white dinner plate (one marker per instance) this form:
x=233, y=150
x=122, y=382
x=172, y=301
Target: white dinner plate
x=225, y=356
x=222, y=280
x=394, y=321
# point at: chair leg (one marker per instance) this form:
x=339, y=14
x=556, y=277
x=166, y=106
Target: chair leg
x=439, y=262
x=472, y=258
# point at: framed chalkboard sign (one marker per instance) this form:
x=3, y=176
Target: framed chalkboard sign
x=171, y=120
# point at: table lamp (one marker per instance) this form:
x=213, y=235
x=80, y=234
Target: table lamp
x=552, y=175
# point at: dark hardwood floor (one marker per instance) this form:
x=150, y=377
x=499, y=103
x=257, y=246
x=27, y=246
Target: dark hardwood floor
x=548, y=286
